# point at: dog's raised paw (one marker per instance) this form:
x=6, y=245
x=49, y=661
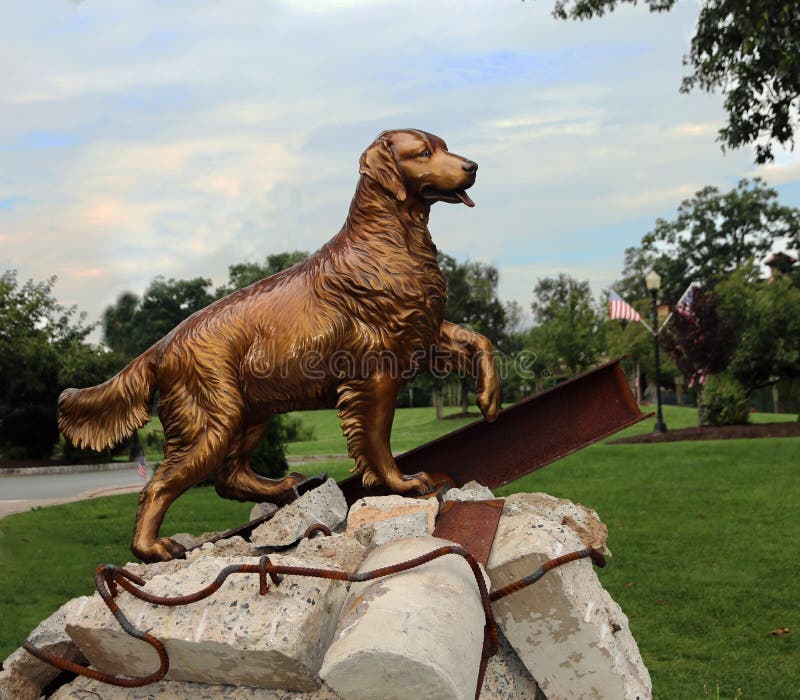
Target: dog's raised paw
x=488, y=401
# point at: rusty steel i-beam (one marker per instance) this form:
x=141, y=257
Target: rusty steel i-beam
x=526, y=436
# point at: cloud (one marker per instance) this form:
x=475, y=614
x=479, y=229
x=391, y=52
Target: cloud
x=785, y=169
x=138, y=138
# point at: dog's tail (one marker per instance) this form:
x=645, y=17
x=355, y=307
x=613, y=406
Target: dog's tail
x=103, y=415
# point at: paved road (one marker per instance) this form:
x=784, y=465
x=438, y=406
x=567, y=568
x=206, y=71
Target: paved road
x=20, y=493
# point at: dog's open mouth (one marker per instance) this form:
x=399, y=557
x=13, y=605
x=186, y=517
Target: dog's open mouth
x=452, y=196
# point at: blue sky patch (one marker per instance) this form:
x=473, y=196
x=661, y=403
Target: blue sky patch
x=540, y=67
x=41, y=139
x=9, y=202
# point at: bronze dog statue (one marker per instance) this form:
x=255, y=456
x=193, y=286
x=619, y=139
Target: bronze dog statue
x=346, y=328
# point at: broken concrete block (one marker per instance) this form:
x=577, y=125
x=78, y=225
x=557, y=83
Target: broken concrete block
x=230, y=547
x=259, y=510
x=324, y=504
x=471, y=491
x=582, y=520
x=86, y=688
x=189, y=540
x=334, y=552
x=24, y=676
x=414, y=634
x=507, y=678
x=375, y=520
x=235, y=636
x=565, y=628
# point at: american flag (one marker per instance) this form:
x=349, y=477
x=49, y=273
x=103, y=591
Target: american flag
x=140, y=466
x=684, y=305
x=621, y=310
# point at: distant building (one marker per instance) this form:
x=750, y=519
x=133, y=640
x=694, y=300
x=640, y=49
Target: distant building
x=779, y=264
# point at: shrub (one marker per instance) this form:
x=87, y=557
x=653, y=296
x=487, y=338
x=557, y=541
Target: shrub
x=723, y=401
x=269, y=457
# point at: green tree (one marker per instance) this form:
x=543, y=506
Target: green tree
x=42, y=349
x=766, y=321
x=120, y=331
x=750, y=51
x=244, y=274
x=131, y=325
x=712, y=235
x=568, y=324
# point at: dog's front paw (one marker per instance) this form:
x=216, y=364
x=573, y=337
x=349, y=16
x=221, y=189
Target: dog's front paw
x=162, y=549
x=488, y=401
x=416, y=484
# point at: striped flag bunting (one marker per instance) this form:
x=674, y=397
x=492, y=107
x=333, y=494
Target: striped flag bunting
x=621, y=310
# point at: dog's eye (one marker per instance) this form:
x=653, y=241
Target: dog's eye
x=425, y=154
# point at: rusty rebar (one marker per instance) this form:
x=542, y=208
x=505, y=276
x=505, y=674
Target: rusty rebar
x=105, y=574
x=597, y=558
x=310, y=530
x=108, y=578
x=315, y=528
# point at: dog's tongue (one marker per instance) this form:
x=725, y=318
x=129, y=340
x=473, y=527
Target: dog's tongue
x=464, y=197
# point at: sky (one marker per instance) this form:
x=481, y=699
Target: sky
x=142, y=138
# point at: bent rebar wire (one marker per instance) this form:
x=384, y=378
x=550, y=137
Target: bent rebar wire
x=109, y=577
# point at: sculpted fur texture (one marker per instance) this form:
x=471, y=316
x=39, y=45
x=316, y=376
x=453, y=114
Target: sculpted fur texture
x=346, y=328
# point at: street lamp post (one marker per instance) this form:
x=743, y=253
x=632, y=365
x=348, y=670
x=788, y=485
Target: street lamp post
x=653, y=283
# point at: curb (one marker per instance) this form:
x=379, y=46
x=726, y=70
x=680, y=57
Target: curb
x=68, y=469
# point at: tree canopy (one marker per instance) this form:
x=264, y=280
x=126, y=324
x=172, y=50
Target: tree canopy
x=712, y=235
x=472, y=297
x=749, y=51
x=766, y=322
x=132, y=325
x=568, y=329
x=244, y=274
x=42, y=351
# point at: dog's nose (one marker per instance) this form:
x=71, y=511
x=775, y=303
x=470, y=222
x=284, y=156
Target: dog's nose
x=470, y=166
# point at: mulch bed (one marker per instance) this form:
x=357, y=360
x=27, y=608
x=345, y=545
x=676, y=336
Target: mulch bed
x=720, y=432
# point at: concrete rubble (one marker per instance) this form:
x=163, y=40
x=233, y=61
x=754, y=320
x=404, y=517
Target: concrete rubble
x=234, y=636
x=324, y=504
x=418, y=633
x=85, y=689
x=565, y=628
x=471, y=491
x=375, y=520
x=23, y=676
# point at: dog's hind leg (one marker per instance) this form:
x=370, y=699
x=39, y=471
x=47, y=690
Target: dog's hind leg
x=198, y=433
x=236, y=479
x=366, y=408
x=186, y=463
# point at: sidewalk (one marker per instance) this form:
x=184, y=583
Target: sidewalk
x=22, y=505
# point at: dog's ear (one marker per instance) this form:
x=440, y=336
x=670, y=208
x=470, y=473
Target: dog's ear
x=378, y=163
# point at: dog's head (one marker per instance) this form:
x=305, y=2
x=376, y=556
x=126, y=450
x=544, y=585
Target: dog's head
x=415, y=165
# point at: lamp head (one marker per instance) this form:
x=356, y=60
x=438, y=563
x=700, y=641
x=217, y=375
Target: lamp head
x=652, y=281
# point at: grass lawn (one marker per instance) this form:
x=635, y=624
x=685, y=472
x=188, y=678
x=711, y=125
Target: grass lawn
x=703, y=533
x=412, y=427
